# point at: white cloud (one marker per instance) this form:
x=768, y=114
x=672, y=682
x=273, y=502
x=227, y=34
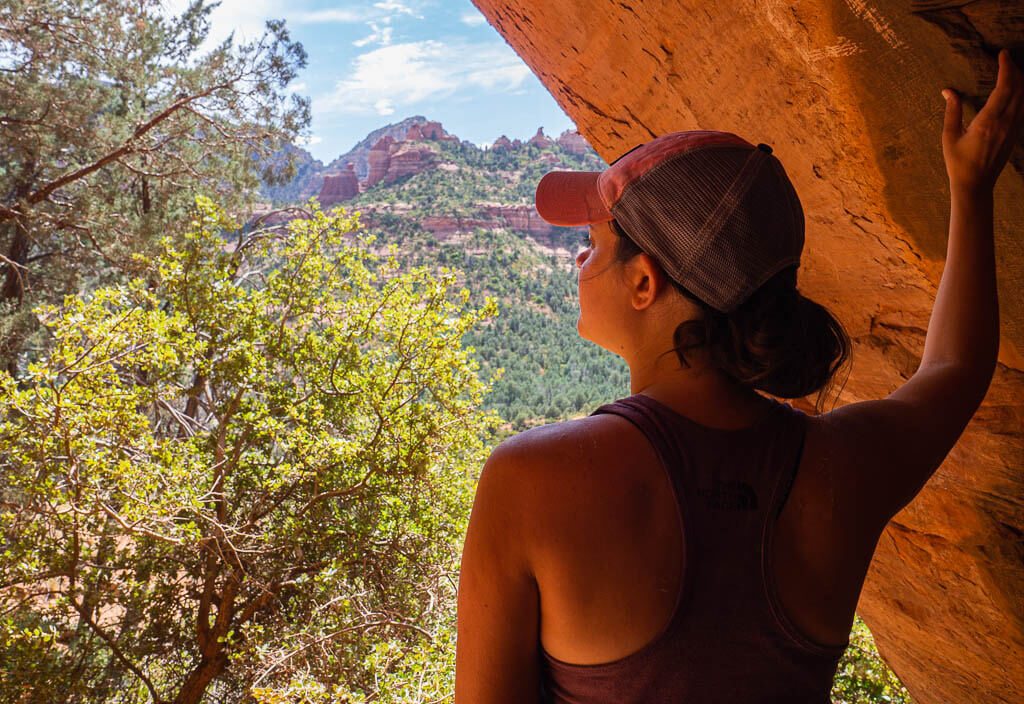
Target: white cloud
x=380, y=35
x=298, y=87
x=395, y=7
x=325, y=16
x=473, y=19
x=248, y=18
x=405, y=74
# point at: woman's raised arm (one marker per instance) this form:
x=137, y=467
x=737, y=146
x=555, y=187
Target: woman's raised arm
x=964, y=326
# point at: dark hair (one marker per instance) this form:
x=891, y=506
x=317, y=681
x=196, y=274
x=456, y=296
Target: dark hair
x=777, y=340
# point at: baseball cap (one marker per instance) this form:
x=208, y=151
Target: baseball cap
x=718, y=214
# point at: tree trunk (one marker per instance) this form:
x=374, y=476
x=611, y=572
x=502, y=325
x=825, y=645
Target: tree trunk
x=196, y=684
x=14, y=282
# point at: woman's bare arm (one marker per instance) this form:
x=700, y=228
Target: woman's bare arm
x=964, y=326
x=884, y=451
x=497, y=655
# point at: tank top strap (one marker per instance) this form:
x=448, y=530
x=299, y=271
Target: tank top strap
x=649, y=417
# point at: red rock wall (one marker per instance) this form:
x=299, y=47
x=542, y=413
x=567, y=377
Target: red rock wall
x=406, y=159
x=339, y=187
x=540, y=139
x=847, y=93
x=521, y=218
x=379, y=160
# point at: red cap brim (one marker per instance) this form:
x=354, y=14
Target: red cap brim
x=570, y=198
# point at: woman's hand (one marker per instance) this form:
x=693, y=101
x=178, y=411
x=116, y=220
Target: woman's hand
x=975, y=156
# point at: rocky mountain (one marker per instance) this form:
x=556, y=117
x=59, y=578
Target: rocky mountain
x=450, y=186
x=404, y=149
x=359, y=155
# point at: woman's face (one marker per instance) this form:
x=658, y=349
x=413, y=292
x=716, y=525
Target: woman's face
x=604, y=299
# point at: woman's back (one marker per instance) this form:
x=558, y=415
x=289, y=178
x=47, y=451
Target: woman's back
x=630, y=614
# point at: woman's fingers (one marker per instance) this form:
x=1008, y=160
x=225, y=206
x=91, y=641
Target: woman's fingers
x=952, y=128
x=1007, y=84
x=977, y=153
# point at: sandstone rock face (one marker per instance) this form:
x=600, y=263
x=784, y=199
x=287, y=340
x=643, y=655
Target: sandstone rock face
x=573, y=142
x=414, y=134
x=540, y=139
x=523, y=218
x=434, y=131
x=488, y=216
x=502, y=143
x=379, y=160
x=847, y=93
x=339, y=187
x=408, y=158
x=390, y=160
x=360, y=153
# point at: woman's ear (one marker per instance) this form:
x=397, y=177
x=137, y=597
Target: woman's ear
x=646, y=280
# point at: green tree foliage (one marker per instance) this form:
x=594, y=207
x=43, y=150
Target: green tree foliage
x=112, y=118
x=862, y=676
x=250, y=468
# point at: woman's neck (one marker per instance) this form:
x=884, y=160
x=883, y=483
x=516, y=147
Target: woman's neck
x=702, y=393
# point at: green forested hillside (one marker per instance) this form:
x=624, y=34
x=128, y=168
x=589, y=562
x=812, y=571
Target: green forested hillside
x=549, y=372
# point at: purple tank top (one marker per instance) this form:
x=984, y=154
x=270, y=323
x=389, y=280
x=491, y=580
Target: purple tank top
x=728, y=639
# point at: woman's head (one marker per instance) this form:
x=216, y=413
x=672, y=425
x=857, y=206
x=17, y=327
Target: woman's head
x=777, y=340
x=719, y=219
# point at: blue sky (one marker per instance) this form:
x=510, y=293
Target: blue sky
x=372, y=63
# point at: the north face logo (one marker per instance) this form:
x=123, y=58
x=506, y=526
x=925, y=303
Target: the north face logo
x=730, y=496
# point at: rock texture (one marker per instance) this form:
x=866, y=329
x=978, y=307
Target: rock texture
x=339, y=187
x=573, y=142
x=488, y=216
x=502, y=143
x=359, y=154
x=847, y=93
x=390, y=159
x=406, y=159
x=379, y=159
x=540, y=139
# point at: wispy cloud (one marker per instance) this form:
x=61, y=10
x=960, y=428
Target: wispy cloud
x=395, y=7
x=473, y=19
x=402, y=75
x=378, y=35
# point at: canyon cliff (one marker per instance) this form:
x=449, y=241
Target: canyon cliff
x=847, y=94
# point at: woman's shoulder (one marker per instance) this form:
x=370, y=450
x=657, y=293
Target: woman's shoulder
x=556, y=444
x=549, y=469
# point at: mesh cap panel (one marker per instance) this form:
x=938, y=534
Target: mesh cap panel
x=720, y=219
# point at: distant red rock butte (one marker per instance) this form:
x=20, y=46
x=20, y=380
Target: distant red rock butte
x=391, y=159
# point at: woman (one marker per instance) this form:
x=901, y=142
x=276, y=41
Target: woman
x=698, y=541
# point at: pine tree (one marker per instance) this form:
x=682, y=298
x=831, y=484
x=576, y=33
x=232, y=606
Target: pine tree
x=113, y=118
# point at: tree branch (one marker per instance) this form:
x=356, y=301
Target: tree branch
x=45, y=191
x=157, y=699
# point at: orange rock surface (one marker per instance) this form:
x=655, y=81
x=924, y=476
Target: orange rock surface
x=339, y=187
x=847, y=93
